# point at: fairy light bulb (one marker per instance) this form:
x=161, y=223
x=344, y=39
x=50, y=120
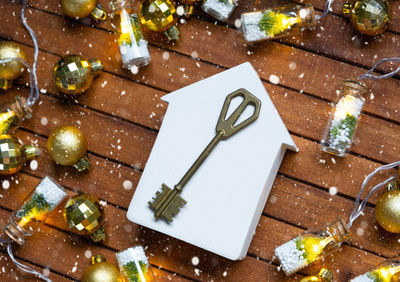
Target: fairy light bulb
x=388, y=271
x=343, y=123
x=34, y=210
x=189, y=6
x=277, y=22
x=312, y=245
x=134, y=265
x=131, y=43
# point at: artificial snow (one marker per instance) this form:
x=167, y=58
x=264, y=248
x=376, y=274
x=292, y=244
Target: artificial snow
x=291, y=257
x=363, y=278
x=51, y=192
x=219, y=9
x=131, y=255
x=136, y=54
x=250, y=27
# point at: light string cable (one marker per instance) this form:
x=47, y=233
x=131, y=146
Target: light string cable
x=359, y=205
x=368, y=74
x=34, y=92
x=327, y=8
x=24, y=267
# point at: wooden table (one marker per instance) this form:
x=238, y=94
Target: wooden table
x=121, y=114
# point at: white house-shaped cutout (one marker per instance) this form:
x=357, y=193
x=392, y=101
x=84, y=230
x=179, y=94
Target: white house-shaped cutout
x=226, y=196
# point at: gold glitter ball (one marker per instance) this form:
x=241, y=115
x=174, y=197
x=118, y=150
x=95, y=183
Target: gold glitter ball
x=13, y=154
x=387, y=210
x=101, y=271
x=11, y=70
x=370, y=17
x=67, y=145
x=78, y=8
x=85, y=215
x=74, y=74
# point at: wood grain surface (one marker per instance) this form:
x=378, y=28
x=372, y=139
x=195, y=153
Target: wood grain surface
x=121, y=114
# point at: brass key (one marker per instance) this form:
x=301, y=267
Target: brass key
x=168, y=202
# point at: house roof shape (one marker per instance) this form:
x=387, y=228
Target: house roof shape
x=226, y=196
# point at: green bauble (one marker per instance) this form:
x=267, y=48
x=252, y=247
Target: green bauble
x=74, y=74
x=370, y=17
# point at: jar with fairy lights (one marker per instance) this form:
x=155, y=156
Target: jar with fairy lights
x=388, y=271
x=277, y=22
x=344, y=119
x=131, y=42
x=34, y=210
x=134, y=265
x=312, y=245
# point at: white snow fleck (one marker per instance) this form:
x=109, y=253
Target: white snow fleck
x=165, y=55
x=34, y=165
x=88, y=254
x=195, y=260
x=5, y=184
x=134, y=69
x=274, y=79
x=127, y=184
x=180, y=10
x=44, y=121
x=333, y=190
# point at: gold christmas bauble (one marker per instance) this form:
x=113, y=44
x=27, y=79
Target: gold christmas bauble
x=84, y=214
x=101, y=271
x=67, y=145
x=11, y=70
x=387, y=211
x=370, y=17
x=13, y=154
x=157, y=15
x=78, y=8
x=73, y=74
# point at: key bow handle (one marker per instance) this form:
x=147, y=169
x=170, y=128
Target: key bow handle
x=227, y=125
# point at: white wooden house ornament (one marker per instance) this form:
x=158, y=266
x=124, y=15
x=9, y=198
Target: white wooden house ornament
x=226, y=196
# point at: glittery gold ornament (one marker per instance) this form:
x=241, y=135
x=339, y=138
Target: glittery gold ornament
x=324, y=275
x=67, y=146
x=85, y=215
x=370, y=17
x=78, y=9
x=13, y=154
x=74, y=74
x=11, y=70
x=101, y=271
x=159, y=16
x=387, y=209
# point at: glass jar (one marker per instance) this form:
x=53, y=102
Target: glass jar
x=324, y=275
x=13, y=113
x=34, y=210
x=134, y=265
x=388, y=271
x=343, y=123
x=277, y=22
x=312, y=245
x=132, y=45
x=220, y=9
